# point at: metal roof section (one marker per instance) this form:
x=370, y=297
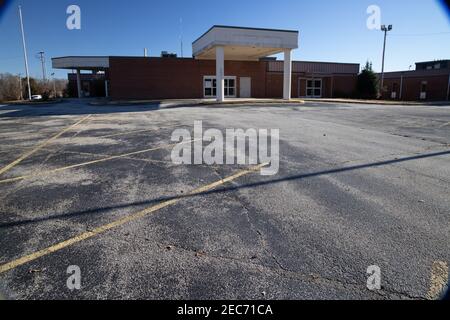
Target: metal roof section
x=76, y=62
x=243, y=43
x=415, y=73
x=316, y=67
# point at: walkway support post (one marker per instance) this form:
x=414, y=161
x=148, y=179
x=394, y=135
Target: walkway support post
x=287, y=75
x=401, y=88
x=220, y=66
x=106, y=89
x=79, y=84
x=448, y=88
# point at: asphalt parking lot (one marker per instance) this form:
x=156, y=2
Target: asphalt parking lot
x=358, y=185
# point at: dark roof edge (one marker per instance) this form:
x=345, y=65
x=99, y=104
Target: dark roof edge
x=109, y=57
x=324, y=62
x=191, y=58
x=432, y=61
x=80, y=57
x=433, y=72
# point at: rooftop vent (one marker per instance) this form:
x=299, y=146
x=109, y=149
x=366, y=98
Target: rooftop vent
x=165, y=54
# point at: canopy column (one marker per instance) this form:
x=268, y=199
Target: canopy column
x=220, y=65
x=287, y=83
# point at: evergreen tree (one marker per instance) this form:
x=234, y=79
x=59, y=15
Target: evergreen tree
x=367, y=86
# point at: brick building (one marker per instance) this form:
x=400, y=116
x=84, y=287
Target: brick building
x=183, y=78
x=236, y=62
x=171, y=78
x=227, y=62
x=430, y=81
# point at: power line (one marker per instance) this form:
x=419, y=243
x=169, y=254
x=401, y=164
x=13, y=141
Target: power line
x=419, y=34
x=11, y=58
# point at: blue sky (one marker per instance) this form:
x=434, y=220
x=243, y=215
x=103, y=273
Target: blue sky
x=329, y=30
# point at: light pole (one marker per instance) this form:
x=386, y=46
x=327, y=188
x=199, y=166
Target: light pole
x=25, y=52
x=385, y=30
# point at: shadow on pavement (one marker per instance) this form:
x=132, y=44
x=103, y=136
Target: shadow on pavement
x=84, y=107
x=70, y=107
x=225, y=189
x=446, y=296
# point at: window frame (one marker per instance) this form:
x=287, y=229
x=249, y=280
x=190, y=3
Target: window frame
x=226, y=86
x=314, y=81
x=423, y=85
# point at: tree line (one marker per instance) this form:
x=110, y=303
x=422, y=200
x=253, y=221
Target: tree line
x=15, y=88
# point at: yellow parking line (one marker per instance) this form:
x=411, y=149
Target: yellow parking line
x=39, y=147
x=91, y=162
x=439, y=279
x=444, y=125
x=126, y=133
x=117, y=223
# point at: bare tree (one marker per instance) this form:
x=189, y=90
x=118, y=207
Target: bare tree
x=61, y=87
x=9, y=87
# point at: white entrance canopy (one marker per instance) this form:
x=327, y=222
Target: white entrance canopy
x=245, y=44
x=82, y=63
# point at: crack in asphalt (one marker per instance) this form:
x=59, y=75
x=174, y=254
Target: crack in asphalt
x=286, y=273
x=283, y=271
x=417, y=138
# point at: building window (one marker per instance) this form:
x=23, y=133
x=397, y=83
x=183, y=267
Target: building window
x=210, y=87
x=395, y=87
x=230, y=87
x=423, y=90
x=423, y=86
x=314, y=88
x=86, y=88
x=394, y=90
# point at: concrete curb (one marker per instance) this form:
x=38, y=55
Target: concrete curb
x=191, y=103
x=382, y=102
x=34, y=103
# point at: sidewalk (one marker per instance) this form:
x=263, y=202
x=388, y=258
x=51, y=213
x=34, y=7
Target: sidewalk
x=193, y=102
x=380, y=102
x=239, y=101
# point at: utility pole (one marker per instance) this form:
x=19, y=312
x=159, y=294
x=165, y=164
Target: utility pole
x=181, y=37
x=385, y=30
x=54, y=84
x=41, y=57
x=25, y=52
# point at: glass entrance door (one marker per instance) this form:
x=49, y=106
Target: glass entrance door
x=314, y=88
x=210, y=87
